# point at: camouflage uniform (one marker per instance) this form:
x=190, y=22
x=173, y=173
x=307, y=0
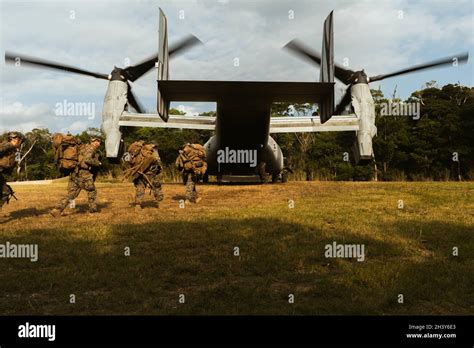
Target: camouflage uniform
x=141, y=184
x=190, y=180
x=191, y=161
x=8, y=154
x=83, y=177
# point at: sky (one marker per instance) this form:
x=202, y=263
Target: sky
x=379, y=36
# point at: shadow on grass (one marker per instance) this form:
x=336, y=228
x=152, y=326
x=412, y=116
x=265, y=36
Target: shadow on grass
x=229, y=266
x=178, y=197
x=440, y=278
x=27, y=212
x=31, y=212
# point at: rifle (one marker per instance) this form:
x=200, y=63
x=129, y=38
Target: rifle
x=10, y=193
x=147, y=179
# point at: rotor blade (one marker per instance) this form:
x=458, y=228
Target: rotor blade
x=183, y=44
x=343, y=74
x=346, y=99
x=132, y=100
x=25, y=60
x=135, y=72
x=461, y=58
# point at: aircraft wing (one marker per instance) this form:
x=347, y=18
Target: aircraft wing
x=243, y=102
x=313, y=124
x=174, y=121
x=277, y=124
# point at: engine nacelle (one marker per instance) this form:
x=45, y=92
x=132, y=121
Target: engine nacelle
x=114, y=104
x=364, y=108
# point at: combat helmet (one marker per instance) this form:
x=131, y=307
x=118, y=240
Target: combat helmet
x=13, y=135
x=97, y=137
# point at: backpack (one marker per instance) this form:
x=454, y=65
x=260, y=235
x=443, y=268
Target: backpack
x=134, y=149
x=66, y=151
x=140, y=158
x=7, y=157
x=192, y=158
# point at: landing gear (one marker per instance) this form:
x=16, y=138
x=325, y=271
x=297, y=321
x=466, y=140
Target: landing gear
x=284, y=176
x=262, y=172
x=275, y=178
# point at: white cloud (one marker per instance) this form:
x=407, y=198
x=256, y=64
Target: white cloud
x=188, y=110
x=16, y=116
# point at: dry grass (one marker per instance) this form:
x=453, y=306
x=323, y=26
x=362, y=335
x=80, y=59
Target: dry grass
x=190, y=251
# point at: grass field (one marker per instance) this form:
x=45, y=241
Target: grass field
x=190, y=251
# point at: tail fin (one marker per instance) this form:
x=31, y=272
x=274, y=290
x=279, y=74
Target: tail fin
x=327, y=68
x=163, y=68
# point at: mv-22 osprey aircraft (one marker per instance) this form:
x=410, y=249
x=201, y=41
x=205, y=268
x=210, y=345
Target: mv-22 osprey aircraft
x=243, y=119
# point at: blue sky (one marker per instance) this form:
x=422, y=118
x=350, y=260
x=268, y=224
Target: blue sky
x=378, y=35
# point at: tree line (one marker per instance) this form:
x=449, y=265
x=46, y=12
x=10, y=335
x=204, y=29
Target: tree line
x=437, y=145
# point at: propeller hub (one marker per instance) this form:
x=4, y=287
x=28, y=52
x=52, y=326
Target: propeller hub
x=360, y=77
x=117, y=75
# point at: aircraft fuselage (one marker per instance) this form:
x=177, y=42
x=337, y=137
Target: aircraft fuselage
x=242, y=143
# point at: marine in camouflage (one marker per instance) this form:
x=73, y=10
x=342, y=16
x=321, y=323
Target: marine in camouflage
x=191, y=161
x=5, y=191
x=149, y=178
x=82, y=178
x=8, y=152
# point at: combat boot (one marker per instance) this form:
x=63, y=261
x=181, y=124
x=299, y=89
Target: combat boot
x=197, y=200
x=93, y=209
x=136, y=205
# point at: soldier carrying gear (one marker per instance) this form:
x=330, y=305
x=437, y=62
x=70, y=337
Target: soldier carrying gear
x=144, y=167
x=16, y=135
x=82, y=177
x=8, y=156
x=191, y=162
x=66, y=152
